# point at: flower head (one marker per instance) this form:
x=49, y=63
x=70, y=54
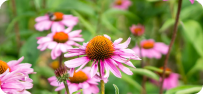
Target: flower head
x=60, y=41
x=104, y=53
x=61, y=73
x=24, y=68
x=13, y=82
x=170, y=80
x=80, y=80
x=122, y=4
x=56, y=21
x=151, y=49
x=137, y=30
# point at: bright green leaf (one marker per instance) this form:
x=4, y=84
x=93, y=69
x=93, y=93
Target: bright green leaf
x=167, y=24
x=197, y=67
x=181, y=88
x=116, y=89
x=76, y=92
x=145, y=72
x=131, y=81
x=193, y=31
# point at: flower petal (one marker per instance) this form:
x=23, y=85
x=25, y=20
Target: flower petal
x=76, y=62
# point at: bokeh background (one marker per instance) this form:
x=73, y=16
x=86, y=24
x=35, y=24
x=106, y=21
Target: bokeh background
x=97, y=17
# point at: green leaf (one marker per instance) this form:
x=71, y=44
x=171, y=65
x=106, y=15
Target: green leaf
x=85, y=22
x=180, y=89
x=196, y=67
x=116, y=89
x=167, y=24
x=190, y=90
x=131, y=81
x=110, y=12
x=145, y=72
x=154, y=69
x=193, y=32
x=45, y=71
x=76, y=92
x=29, y=50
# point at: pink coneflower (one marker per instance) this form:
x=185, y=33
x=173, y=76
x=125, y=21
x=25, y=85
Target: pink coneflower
x=55, y=21
x=11, y=82
x=170, y=81
x=122, y=4
x=60, y=41
x=137, y=30
x=24, y=68
x=151, y=49
x=80, y=80
x=192, y=1
x=101, y=50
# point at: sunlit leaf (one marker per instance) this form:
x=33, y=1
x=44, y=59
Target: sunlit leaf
x=76, y=92
x=196, y=67
x=193, y=32
x=145, y=72
x=132, y=82
x=187, y=89
x=167, y=24
x=116, y=89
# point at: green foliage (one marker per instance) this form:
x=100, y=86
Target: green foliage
x=145, y=72
x=187, y=89
x=116, y=89
x=76, y=92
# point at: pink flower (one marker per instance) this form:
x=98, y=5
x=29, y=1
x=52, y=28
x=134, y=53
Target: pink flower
x=10, y=83
x=56, y=21
x=170, y=81
x=151, y=49
x=101, y=50
x=122, y=4
x=192, y=1
x=24, y=68
x=60, y=41
x=80, y=80
x=137, y=30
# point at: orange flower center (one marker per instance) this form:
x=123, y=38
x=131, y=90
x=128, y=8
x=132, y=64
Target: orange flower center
x=99, y=48
x=3, y=67
x=137, y=30
x=148, y=44
x=167, y=72
x=57, y=16
x=60, y=37
x=119, y=2
x=78, y=77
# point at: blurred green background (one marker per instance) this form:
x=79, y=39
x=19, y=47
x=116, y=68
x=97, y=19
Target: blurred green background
x=97, y=17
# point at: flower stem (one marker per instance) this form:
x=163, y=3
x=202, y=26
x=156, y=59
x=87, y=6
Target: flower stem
x=16, y=28
x=102, y=81
x=60, y=60
x=142, y=65
x=66, y=87
x=171, y=44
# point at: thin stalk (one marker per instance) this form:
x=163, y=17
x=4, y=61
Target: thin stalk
x=144, y=78
x=16, y=27
x=100, y=16
x=43, y=4
x=66, y=87
x=59, y=92
x=180, y=65
x=60, y=60
x=171, y=44
x=101, y=82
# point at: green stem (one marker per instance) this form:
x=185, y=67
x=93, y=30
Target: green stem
x=180, y=65
x=101, y=82
x=60, y=60
x=66, y=87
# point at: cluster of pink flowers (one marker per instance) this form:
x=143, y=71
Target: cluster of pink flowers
x=14, y=77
